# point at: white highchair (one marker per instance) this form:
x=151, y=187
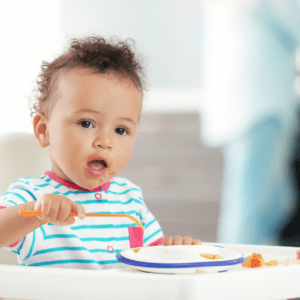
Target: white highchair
x=20, y=156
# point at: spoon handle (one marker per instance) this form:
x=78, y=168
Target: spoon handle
x=31, y=213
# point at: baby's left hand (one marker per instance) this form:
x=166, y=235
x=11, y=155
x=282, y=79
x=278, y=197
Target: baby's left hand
x=179, y=240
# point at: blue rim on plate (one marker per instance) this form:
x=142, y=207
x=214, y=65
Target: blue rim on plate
x=131, y=262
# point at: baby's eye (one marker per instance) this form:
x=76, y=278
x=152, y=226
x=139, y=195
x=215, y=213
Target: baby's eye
x=85, y=122
x=121, y=131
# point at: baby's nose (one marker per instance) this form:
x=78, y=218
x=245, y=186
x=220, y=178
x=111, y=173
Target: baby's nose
x=104, y=140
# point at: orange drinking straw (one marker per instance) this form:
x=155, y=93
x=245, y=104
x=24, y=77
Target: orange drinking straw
x=31, y=213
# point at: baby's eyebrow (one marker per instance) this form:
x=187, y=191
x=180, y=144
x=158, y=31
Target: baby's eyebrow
x=87, y=110
x=128, y=119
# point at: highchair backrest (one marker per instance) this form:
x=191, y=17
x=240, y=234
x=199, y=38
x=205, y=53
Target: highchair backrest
x=20, y=156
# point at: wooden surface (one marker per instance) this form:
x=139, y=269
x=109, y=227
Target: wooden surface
x=179, y=176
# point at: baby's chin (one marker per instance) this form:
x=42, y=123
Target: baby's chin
x=91, y=184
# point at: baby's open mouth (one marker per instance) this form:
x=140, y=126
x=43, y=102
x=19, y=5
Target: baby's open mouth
x=97, y=164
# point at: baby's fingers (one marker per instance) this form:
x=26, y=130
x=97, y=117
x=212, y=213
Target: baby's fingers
x=45, y=206
x=63, y=218
x=196, y=242
x=80, y=210
x=188, y=240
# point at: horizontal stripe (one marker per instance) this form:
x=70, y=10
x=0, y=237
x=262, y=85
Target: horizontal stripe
x=28, y=192
x=131, y=212
x=119, y=184
x=122, y=193
x=153, y=234
x=75, y=261
x=49, y=250
x=18, y=195
x=10, y=201
x=102, y=201
x=150, y=223
x=42, y=185
x=66, y=236
x=105, y=226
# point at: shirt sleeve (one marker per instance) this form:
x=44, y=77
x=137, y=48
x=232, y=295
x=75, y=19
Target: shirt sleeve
x=153, y=234
x=29, y=244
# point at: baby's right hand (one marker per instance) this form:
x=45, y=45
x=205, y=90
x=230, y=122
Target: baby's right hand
x=56, y=209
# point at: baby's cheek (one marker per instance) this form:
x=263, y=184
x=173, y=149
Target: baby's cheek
x=14, y=244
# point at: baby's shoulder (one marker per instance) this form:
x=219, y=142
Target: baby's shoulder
x=119, y=182
x=24, y=189
x=27, y=182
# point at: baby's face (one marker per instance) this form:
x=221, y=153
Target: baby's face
x=75, y=137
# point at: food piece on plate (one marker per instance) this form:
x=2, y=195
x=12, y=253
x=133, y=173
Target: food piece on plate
x=136, y=250
x=211, y=256
x=254, y=260
x=207, y=255
x=273, y=262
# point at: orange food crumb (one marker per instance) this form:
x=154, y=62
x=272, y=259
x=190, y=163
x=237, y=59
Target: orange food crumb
x=254, y=260
x=211, y=256
x=273, y=262
x=136, y=250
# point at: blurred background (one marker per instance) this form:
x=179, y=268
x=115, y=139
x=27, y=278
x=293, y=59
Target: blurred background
x=180, y=177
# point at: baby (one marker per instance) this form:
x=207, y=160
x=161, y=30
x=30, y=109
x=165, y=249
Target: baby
x=87, y=116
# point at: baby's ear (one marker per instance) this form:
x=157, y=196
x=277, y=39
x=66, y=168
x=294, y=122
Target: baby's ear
x=40, y=130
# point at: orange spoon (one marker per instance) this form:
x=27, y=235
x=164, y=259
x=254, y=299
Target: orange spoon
x=31, y=213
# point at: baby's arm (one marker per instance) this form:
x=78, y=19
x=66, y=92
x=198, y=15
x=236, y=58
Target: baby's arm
x=13, y=227
x=55, y=209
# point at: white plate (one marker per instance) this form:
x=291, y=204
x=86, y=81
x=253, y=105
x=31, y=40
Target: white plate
x=180, y=259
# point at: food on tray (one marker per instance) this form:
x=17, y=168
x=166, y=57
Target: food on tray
x=254, y=260
x=211, y=256
x=273, y=262
x=136, y=250
x=290, y=261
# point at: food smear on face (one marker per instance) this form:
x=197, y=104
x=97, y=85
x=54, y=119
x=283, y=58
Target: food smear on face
x=211, y=256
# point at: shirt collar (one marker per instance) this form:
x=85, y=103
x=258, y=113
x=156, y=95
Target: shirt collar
x=104, y=187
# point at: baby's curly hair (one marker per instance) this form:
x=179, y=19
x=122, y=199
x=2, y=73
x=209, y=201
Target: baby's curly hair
x=90, y=55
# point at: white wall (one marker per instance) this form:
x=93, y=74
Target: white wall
x=166, y=33
x=30, y=33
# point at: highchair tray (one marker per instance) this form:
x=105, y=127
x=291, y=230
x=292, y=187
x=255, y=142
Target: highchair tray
x=126, y=282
